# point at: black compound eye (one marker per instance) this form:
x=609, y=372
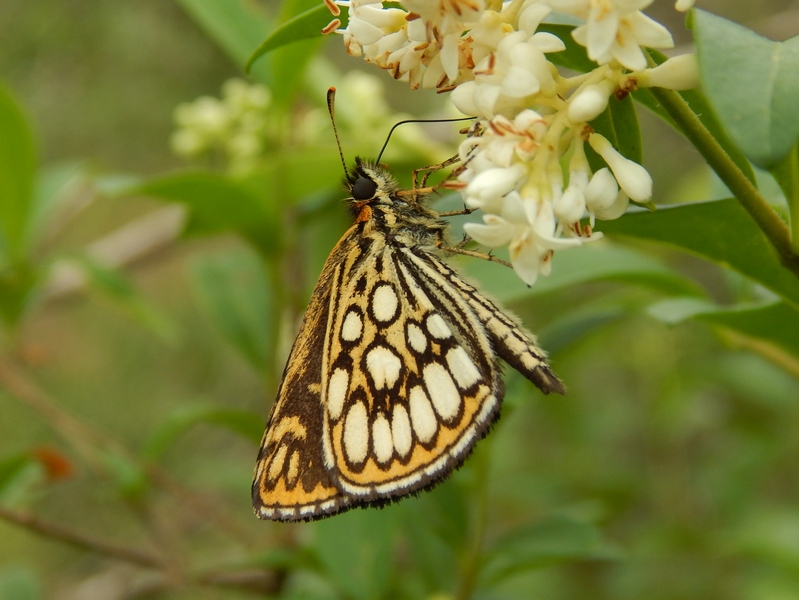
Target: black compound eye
x=363, y=188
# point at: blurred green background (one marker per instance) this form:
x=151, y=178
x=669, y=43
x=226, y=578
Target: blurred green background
x=133, y=396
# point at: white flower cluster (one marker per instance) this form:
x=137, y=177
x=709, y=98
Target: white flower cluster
x=237, y=125
x=532, y=119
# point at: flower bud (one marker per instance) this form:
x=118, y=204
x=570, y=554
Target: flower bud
x=632, y=177
x=678, y=73
x=601, y=191
x=615, y=210
x=588, y=103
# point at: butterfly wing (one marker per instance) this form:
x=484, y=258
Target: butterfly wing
x=291, y=481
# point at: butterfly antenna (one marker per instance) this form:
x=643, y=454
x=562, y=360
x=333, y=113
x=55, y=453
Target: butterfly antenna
x=331, y=108
x=383, y=149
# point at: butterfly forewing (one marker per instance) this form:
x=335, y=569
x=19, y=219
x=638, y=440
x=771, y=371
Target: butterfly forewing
x=394, y=375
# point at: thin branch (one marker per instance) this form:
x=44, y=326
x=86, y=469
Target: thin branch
x=128, y=244
x=87, y=441
x=80, y=540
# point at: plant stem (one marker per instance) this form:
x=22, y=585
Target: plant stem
x=744, y=190
x=80, y=540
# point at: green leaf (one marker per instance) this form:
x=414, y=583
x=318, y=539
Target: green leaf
x=234, y=291
x=11, y=467
x=237, y=26
x=290, y=177
x=129, y=477
x=720, y=231
x=786, y=174
x=219, y=203
x=355, y=551
x=53, y=186
x=776, y=322
x=248, y=425
x=597, y=261
x=17, y=168
x=752, y=83
x=307, y=25
x=116, y=287
x=17, y=291
x=553, y=540
x=19, y=583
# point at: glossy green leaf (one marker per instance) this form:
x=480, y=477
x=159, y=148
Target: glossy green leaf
x=218, y=203
x=776, y=323
x=233, y=290
x=248, y=425
x=720, y=231
x=237, y=26
x=307, y=25
x=553, y=540
x=752, y=83
x=114, y=286
x=597, y=261
x=17, y=167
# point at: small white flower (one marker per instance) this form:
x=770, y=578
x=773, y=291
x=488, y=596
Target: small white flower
x=684, y=5
x=488, y=188
x=528, y=228
x=615, y=29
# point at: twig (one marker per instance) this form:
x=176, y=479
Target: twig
x=87, y=441
x=80, y=540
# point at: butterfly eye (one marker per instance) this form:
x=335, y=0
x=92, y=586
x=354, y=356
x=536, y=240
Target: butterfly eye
x=363, y=189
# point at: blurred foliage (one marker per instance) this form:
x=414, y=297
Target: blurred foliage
x=136, y=370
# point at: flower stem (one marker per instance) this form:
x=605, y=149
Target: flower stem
x=744, y=190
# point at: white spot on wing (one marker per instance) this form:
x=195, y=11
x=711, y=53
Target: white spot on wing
x=462, y=368
x=385, y=303
x=416, y=338
x=423, y=418
x=384, y=367
x=445, y=396
x=337, y=392
x=401, y=430
x=437, y=327
x=352, y=328
x=356, y=433
x=381, y=439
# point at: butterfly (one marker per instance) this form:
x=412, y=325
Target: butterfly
x=394, y=375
